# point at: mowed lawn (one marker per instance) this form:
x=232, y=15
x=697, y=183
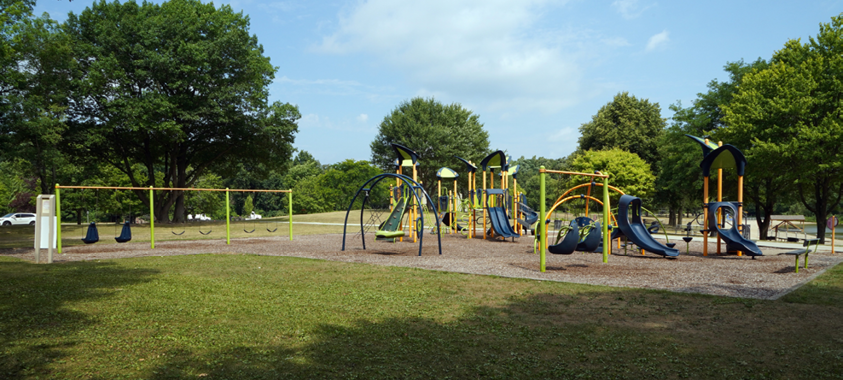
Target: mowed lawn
x=257, y=317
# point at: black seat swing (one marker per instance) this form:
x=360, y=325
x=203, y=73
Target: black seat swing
x=125, y=233
x=93, y=235
x=244, y=227
x=274, y=229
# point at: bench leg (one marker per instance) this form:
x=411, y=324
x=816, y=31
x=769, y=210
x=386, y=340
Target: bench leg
x=797, y=263
x=806, y=260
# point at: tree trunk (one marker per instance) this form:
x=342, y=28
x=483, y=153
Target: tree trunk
x=78, y=216
x=671, y=219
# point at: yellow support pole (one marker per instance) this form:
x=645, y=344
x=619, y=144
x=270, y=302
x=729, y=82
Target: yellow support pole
x=484, y=206
x=542, y=226
x=739, y=217
x=58, y=220
x=719, y=199
x=607, y=240
x=151, y=218
x=705, y=216
x=290, y=211
x=227, y=218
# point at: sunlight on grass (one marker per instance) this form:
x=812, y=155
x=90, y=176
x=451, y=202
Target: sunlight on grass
x=244, y=316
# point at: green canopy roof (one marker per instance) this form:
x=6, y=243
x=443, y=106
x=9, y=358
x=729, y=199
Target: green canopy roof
x=446, y=173
x=724, y=157
x=407, y=156
x=468, y=166
x=707, y=147
x=494, y=161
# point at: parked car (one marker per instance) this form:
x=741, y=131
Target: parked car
x=17, y=218
x=199, y=217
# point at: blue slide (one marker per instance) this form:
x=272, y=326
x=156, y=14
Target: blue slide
x=733, y=238
x=635, y=230
x=500, y=223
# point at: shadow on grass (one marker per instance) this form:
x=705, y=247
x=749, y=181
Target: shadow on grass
x=32, y=306
x=633, y=334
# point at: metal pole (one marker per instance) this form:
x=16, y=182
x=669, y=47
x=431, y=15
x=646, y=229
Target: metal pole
x=151, y=218
x=290, y=211
x=607, y=242
x=542, y=225
x=227, y=218
x=58, y=220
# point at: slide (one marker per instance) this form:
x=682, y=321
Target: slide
x=733, y=238
x=530, y=216
x=635, y=230
x=391, y=227
x=446, y=220
x=500, y=224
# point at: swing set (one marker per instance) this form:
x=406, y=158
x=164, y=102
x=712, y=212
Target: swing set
x=92, y=235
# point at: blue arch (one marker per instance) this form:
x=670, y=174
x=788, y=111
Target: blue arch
x=408, y=182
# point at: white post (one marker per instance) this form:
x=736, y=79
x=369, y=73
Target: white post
x=45, y=226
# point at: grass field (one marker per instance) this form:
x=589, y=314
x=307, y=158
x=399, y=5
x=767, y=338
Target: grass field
x=253, y=317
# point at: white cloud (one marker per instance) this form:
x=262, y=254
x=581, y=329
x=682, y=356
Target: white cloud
x=630, y=9
x=658, y=40
x=489, y=50
x=363, y=117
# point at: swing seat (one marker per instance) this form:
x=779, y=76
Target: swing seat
x=92, y=236
x=209, y=231
x=569, y=243
x=389, y=234
x=125, y=234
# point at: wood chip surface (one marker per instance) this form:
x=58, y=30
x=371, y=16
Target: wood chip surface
x=767, y=277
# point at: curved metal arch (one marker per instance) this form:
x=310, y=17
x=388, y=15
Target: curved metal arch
x=619, y=191
x=581, y=196
x=412, y=185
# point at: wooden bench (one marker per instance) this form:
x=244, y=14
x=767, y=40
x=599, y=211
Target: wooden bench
x=807, y=244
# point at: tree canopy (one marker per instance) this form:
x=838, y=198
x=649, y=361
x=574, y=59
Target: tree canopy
x=789, y=113
x=626, y=171
x=176, y=89
x=437, y=132
x=627, y=123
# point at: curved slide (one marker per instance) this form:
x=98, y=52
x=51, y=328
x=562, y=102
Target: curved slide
x=500, y=223
x=733, y=238
x=635, y=230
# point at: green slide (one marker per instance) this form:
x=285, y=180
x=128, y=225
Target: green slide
x=391, y=227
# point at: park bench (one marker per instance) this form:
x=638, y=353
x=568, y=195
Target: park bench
x=798, y=252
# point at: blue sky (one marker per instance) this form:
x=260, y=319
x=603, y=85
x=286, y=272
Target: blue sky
x=533, y=70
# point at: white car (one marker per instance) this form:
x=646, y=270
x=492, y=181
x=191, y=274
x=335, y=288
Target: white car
x=198, y=217
x=254, y=216
x=18, y=218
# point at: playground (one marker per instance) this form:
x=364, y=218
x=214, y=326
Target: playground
x=732, y=276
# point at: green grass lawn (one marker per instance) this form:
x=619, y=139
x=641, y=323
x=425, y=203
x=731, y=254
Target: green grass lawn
x=253, y=317
x=23, y=236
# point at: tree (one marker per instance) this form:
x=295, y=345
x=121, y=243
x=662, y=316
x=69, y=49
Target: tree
x=679, y=180
x=180, y=88
x=789, y=113
x=626, y=171
x=343, y=179
x=627, y=123
x=248, y=206
x=437, y=132
x=529, y=180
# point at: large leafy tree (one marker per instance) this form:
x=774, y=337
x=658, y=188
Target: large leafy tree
x=437, y=132
x=626, y=171
x=789, y=113
x=679, y=180
x=627, y=123
x=180, y=88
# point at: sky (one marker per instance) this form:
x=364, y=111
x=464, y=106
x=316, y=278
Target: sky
x=532, y=70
